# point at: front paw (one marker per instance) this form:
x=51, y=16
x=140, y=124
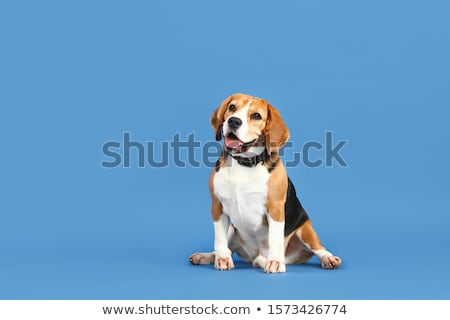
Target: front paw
x=224, y=263
x=202, y=258
x=275, y=266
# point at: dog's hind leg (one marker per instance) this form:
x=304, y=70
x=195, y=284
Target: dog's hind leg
x=311, y=240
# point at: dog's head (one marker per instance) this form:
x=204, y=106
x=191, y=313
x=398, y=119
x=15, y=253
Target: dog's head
x=248, y=122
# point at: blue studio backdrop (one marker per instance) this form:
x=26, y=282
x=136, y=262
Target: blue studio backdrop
x=84, y=77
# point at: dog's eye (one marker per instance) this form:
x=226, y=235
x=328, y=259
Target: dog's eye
x=256, y=116
x=232, y=107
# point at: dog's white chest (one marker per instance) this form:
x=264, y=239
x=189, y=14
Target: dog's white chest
x=243, y=193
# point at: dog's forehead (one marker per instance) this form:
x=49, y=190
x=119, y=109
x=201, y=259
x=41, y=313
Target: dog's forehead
x=242, y=101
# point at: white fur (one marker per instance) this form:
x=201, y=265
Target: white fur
x=276, y=240
x=251, y=152
x=322, y=253
x=243, y=192
x=220, y=237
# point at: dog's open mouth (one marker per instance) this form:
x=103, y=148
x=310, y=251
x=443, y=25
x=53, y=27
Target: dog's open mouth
x=234, y=145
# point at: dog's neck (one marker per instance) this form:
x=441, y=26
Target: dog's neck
x=250, y=161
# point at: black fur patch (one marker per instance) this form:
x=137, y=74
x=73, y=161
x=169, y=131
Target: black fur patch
x=219, y=161
x=217, y=165
x=295, y=215
x=273, y=164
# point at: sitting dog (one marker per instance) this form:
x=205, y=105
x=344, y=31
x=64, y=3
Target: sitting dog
x=255, y=209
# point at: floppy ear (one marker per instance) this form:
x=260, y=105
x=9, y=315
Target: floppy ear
x=217, y=118
x=276, y=131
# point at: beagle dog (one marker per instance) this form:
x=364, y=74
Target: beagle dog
x=255, y=209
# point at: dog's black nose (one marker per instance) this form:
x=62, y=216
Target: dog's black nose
x=234, y=122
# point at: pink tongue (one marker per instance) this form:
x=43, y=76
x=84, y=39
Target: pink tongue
x=232, y=143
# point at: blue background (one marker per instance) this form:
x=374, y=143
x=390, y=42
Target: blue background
x=75, y=75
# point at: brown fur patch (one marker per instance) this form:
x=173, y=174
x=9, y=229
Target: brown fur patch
x=216, y=206
x=309, y=236
x=276, y=193
x=264, y=221
x=276, y=132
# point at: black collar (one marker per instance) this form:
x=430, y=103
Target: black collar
x=251, y=162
